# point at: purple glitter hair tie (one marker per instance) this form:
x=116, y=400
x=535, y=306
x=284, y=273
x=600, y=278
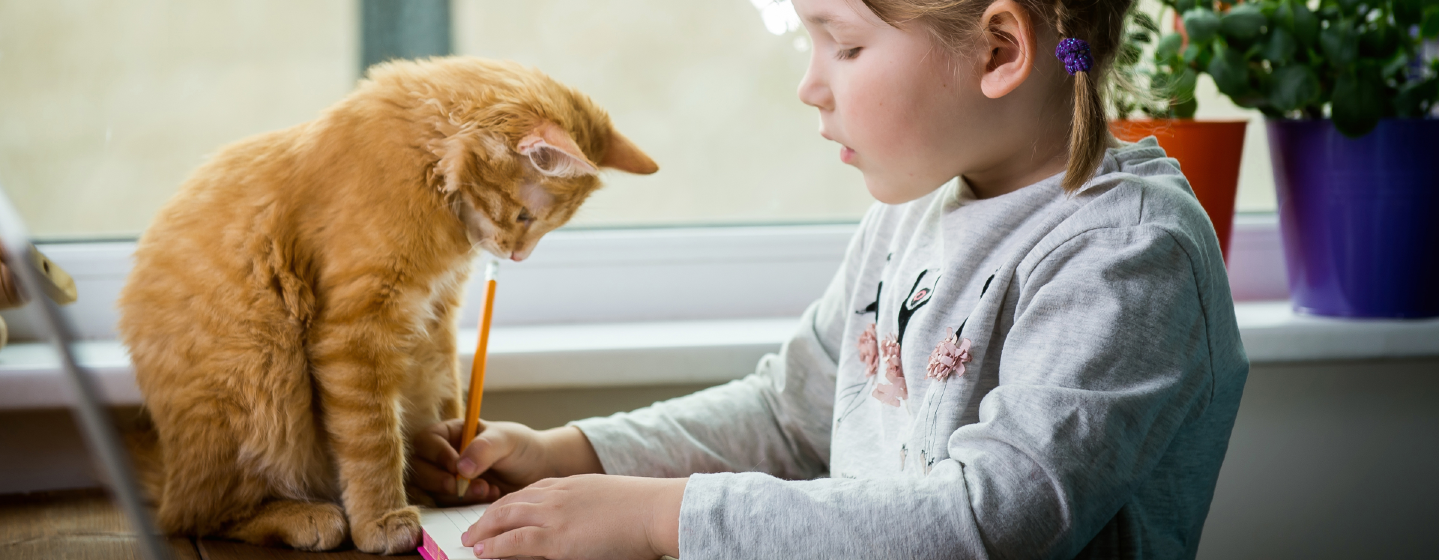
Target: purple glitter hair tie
x=1075, y=54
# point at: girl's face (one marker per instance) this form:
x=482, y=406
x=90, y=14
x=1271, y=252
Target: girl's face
x=901, y=107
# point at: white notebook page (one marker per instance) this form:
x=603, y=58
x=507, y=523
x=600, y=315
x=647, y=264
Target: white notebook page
x=446, y=525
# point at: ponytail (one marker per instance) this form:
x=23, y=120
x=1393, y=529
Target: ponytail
x=1088, y=134
x=1089, y=131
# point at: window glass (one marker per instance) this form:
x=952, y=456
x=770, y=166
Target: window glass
x=107, y=105
x=705, y=87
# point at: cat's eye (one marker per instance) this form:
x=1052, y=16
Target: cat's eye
x=525, y=217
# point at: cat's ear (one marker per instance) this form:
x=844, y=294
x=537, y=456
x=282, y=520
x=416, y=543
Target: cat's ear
x=554, y=153
x=626, y=156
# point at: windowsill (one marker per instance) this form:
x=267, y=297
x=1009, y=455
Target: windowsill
x=687, y=352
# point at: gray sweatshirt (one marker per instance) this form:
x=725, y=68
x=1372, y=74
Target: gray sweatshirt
x=1102, y=370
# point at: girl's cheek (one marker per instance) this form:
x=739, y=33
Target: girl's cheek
x=873, y=122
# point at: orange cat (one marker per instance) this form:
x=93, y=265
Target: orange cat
x=291, y=314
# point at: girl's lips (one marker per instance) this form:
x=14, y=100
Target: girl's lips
x=846, y=154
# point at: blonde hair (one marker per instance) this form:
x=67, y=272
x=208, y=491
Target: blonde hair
x=954, y=25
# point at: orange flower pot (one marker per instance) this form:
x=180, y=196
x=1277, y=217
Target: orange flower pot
x=1208, y=152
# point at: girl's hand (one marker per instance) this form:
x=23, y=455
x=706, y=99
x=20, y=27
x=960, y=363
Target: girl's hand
x=504, y=457
x=587, y=516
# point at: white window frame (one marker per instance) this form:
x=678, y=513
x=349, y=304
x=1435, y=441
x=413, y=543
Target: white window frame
x=589, y=276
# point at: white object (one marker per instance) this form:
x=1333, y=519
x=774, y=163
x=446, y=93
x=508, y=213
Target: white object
x=443, y=528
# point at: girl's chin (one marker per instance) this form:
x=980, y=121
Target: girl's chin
x=889, y=191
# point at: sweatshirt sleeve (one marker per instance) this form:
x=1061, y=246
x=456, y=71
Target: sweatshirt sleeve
x=1107, y=357
x=774, y=420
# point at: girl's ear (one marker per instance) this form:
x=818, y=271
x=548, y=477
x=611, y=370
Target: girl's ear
x=626, y=156
x=553, y=152
x=1010, y=37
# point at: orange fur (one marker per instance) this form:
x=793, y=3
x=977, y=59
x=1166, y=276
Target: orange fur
x=291, y=313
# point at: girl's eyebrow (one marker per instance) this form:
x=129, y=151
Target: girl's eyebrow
x=826, y=20
x=819, y=19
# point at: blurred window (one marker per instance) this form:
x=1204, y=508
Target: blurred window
x=107, y=105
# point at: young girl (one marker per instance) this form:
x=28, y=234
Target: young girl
x=1039, y=359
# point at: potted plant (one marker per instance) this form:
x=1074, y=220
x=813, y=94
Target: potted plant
x=1208, y=150
x=1346, y=91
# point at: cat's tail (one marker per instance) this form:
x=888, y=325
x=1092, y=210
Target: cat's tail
x=143, y=442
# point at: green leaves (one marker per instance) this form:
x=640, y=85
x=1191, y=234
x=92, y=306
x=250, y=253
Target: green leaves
x=1357, y=103
x=1280, y=47
x=1168, y=46
x=1378, y=40
x=1202, y=25
x=1184, y=85
x=1410, y=102
x=1348, y=6
x=1185, y=109
x=1293, y=87
x=1305, y=24
x=1353, y=60
x=1177, y=86
x=1243, y=23
x=1146, y=25
x=1407, y=12
x=1230, y=72
x=1429, y=29
x=1338, y=43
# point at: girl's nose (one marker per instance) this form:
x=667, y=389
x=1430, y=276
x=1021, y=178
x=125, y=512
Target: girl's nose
x=813, y=91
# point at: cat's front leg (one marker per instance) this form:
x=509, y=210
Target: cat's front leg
x=360, y=371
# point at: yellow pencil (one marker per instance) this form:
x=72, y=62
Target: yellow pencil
x=477, y=370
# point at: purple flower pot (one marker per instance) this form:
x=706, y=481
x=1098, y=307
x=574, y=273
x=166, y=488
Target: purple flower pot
x=1359, y=217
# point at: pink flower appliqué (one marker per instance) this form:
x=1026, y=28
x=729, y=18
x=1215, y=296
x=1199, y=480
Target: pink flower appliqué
x=869, y=351
x=891, y=393
x=949, y=356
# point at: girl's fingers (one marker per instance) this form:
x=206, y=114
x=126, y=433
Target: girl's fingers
x=485, y=489
x=454, y=429
x=434, y=445
x=522, y=542
x=483, y=453
x=432, y=479
x=501, y=518
x=545, y=483
x=527, y=495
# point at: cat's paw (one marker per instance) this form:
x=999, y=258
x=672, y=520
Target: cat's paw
x=296, y=524
x=393, y=533
x=322, y=527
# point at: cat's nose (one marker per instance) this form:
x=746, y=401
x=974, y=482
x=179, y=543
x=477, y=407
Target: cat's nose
x=523, y=252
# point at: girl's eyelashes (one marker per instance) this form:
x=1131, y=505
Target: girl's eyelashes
x=847, y=54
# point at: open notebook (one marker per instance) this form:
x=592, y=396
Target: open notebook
x=442, y=529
